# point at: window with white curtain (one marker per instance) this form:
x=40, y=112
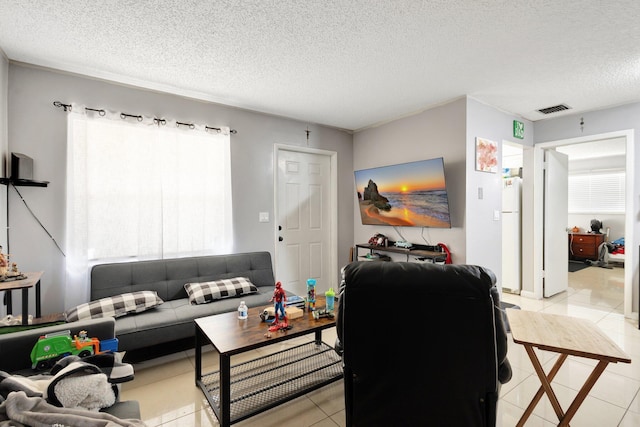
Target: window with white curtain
x=136, y=190
x=597, y=192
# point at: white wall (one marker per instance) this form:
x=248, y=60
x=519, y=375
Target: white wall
x=38, y=129
x=438, y=132
x=483, y=232
x=614, y=222
x=4, y=77
x=448, y=131
x=4, y=82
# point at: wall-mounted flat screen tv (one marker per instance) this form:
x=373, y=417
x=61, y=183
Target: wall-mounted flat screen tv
x=409, y=194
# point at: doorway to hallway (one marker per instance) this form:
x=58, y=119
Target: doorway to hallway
x=627, y=136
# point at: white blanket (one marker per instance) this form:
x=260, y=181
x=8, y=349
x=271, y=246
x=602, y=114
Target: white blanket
x=78, y=385
x=19, y=410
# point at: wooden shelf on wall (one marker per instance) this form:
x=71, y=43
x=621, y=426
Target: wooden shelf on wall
x=23, y=182
x=18, y=183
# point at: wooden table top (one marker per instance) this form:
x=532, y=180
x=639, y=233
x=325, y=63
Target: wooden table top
x=231, y=335
x=564, y=334
x=30, y=281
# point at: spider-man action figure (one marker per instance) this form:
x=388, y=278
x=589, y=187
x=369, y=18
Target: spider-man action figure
x=280, y=298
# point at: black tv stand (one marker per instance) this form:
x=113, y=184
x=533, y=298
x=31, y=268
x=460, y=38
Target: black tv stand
x=418, y=252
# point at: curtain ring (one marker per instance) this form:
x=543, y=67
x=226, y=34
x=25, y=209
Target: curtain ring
x=100, y=112
x=125, y=115
x=190, y=125
x=67, y=107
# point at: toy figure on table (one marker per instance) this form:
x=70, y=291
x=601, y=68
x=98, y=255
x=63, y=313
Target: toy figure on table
x=280, y=300
x=4, y=263
x=311, y=294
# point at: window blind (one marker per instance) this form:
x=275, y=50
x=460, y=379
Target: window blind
x=597, y=192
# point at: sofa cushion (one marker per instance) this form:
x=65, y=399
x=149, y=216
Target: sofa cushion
x=115, y=306
x=204, y=292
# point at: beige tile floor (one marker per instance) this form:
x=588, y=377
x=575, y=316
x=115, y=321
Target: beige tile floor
x=168, y=396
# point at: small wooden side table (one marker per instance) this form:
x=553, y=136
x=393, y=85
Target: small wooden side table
x=567, y=336
x=33, y=279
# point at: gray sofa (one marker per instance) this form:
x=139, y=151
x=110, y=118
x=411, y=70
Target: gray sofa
x=173, y=319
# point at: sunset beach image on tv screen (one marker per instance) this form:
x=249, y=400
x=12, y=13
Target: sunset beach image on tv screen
x=409, y=194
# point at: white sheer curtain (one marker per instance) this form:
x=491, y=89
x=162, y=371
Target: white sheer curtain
x=139, y=190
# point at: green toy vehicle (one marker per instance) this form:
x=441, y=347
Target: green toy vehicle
x=52, y=347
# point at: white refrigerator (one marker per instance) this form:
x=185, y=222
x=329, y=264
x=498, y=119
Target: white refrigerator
x=511, y=235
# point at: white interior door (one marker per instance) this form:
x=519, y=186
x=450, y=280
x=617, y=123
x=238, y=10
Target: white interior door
x=556, y=269
x=304, y=205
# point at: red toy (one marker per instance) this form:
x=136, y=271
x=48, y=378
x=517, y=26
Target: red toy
x=280, y=298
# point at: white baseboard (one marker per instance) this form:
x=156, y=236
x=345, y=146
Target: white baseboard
x=528, y=294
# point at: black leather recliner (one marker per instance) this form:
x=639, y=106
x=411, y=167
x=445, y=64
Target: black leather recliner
x=422, y=344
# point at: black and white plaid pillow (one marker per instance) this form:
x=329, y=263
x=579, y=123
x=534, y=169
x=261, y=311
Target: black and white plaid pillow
x=201, y=293
x=115, y=306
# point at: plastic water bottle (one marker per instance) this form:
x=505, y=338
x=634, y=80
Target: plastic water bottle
x=243, y=311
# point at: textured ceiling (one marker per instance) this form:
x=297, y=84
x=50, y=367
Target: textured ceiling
x=350, y=64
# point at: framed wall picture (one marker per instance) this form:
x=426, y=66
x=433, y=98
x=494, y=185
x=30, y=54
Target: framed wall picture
x=486, y=155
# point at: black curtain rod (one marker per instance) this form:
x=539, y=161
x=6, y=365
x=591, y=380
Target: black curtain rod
x=68, y=107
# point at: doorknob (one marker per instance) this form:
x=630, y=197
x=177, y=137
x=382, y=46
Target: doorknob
x=280, y=238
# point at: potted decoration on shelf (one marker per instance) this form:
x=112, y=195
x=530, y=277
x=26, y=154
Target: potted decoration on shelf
x=3, y=263
x=8, y=271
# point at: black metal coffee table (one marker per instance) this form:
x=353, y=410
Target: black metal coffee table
x=240, y=391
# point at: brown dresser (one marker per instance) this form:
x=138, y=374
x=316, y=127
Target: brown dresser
x=584, y=245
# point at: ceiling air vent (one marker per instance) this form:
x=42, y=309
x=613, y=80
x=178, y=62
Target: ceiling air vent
x=554, y=109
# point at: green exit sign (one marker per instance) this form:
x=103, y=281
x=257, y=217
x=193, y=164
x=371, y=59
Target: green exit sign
x=518, y=129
